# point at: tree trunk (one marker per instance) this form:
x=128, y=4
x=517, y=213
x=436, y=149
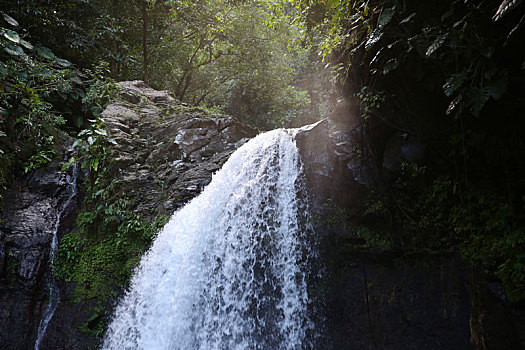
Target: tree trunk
x=115, y=42
x=144, y=41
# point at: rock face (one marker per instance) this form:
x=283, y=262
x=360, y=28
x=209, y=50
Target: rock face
x=165, y=154
x=374, y=297
x=331, y=164
x=26, y=231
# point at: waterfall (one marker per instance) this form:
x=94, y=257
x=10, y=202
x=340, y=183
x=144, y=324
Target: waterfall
x=228, y=271
x=54, y=292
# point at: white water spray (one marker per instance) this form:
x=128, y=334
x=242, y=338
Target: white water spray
x=54, y=292
x=228, y=270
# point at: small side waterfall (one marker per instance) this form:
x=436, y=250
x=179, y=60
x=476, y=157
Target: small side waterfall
x=54, y=292
x=229, y=270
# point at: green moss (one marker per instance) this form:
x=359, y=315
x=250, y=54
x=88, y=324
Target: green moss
x=100, y=264
x=13, y=265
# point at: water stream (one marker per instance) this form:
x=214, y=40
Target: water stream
x=54, y=292
x=229, y=270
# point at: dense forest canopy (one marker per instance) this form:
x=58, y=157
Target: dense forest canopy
x=443, y=77
x=242, y=56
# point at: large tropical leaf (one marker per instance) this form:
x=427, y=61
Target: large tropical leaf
x=14, y=50
x=12, y=36
x=505, y=7
x=438, y=42
x=44, y=52
x=10, y=20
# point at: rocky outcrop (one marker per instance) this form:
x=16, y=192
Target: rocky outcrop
x=28, y=221
x=332, y=163
x=165, y=153
x=374, y=296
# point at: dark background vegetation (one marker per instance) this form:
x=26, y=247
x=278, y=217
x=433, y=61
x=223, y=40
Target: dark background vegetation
x=445, y=80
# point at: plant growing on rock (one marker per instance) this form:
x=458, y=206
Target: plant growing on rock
x=445, y=70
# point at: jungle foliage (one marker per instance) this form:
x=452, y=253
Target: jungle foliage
x=58, y=65
x=448, y=76
x=241, y=55
x=42, y=96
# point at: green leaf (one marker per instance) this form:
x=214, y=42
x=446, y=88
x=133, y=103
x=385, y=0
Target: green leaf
x=440, y=40
x=391, y=65
x=94, y=164
x=10, y=20
x=44, y=52
x=84, y=132
x=2, y=134
x=26, y=44
x=76, y=143
x=455, y=102
x=408, y=19
x=385, y=17
x=14, y=50
x=75, y=79
x=12, y=36
x=22, y=75
x=62, y=62
x=453, y=83
x=46, y=72
x=101, y=132
x=374, y=38
x=69, y=163
x=505, y=7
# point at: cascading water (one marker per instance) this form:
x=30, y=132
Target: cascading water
x=54, y=292
x=228, y=271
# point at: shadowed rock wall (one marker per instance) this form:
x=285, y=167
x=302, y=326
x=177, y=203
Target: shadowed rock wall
x=28, y=221
x=372, y=295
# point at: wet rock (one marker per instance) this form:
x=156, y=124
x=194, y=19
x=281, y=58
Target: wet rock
x=26, y=229
x=130, y=95
x=135, y=91
x=166, y=150
x=371, y=296
x=331, y=164
x=401, y=304
x=2, y=258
